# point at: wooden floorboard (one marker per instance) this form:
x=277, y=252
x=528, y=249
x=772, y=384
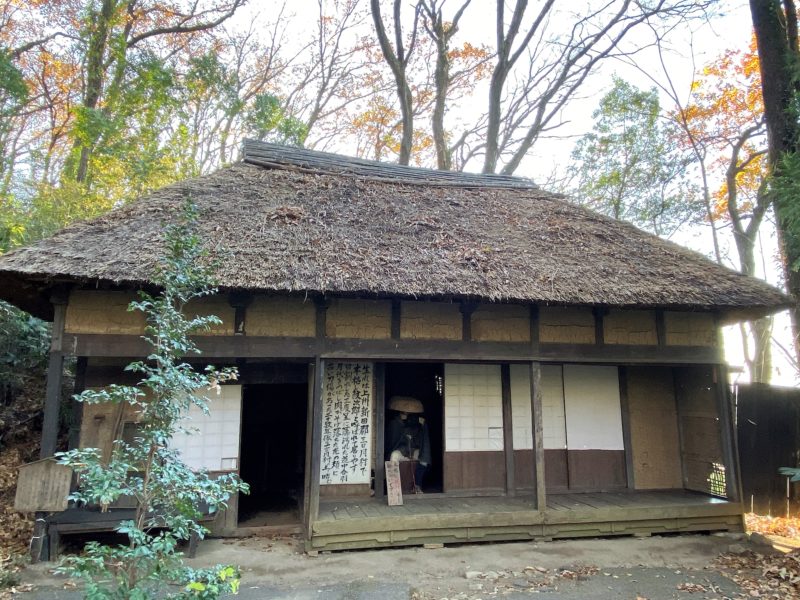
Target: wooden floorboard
x=370, y=522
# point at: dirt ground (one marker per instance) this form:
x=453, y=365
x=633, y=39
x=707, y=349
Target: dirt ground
x=682, y=566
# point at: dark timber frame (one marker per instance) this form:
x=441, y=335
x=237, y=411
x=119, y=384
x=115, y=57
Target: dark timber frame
x=318, y=350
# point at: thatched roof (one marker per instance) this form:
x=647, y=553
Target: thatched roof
x=301, y=221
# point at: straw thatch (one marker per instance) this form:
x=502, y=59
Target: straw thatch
x=303, y=222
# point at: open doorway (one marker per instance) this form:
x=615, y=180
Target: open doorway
x=424, y=382
x=273, y=453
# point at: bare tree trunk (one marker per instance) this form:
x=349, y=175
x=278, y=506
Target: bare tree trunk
x=505, y=61
x=441, y=33
x=776, y=37
x=761, y=330
x=95, y=75
x=397, y=59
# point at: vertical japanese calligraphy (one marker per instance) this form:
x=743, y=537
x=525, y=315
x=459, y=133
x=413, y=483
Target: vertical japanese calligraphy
x=346, y=423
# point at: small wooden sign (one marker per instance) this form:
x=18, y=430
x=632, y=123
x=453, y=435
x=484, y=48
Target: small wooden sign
x=394, y=489
x=43, y=486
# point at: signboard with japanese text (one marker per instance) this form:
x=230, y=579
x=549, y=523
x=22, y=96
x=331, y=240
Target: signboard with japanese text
x=346, y=424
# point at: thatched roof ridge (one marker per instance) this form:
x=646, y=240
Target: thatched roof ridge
x=313, y=161
x=297, y=228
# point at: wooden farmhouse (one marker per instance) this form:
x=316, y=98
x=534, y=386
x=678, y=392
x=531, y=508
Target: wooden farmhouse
x=564, y=371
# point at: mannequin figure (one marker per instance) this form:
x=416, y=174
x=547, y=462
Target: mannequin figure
x=407, y=436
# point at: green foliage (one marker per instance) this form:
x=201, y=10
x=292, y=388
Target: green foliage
x=24, y=343
x=13, y=90
x=785, y=188
x=9, y=571
x=628, y=167
x=267, y=121
x=169, y=495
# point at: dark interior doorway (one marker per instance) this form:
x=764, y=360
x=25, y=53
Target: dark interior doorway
x=425, y=382
x=273, y=453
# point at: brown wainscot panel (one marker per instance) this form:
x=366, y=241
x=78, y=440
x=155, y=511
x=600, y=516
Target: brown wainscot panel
x=555, y=470
x=596, y=469
x=474, y=471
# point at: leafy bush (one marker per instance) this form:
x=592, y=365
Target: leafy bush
x=168, y=494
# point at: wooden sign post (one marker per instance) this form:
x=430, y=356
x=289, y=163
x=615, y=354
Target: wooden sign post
x=394, y=489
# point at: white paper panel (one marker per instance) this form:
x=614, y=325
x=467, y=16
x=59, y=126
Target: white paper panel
x=214, y=441
x=552, y=407
x=553, y=415
x=473, y=408
x=591, y=398
x=346, y=423
x=521, y=406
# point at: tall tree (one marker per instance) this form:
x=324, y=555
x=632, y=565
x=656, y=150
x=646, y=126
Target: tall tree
x=775, y=27
x=725, y=116
x=441, y=32
x=630, y=168
x=557, y=63
x=114, y=29
x=397, y=56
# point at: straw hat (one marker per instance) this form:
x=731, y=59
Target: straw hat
x=406, y=404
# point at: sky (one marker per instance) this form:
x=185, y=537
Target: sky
x=688, y=50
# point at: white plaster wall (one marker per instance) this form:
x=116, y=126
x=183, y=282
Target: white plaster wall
x=552, y=407
x=473, y=408
x=214, y=441
x=592, y=406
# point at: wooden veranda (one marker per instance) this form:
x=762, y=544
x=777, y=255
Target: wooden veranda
x=344, y=524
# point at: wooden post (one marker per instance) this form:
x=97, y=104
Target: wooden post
x=508, y=428
x=52, y=404
x=626, y=426
x=661, y=328
x=679, y=414
x=239, y=302
x=309, y=445
x=76, y=408
x=538, y=432
x=466, y=308
x=534, y=327
x=733, y=487
x=321, y=323
x=380, y=427
x=599, y=331
x=55, y=372
x=316, y=447
x=396, y=316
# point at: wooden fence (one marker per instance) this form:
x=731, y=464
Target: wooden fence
x=768, y=427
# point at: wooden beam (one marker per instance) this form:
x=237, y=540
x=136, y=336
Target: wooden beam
x=633, y=354
x=316, y=447
x=538, y=435
x=281, y=348
x=626, y=426
x=733, y=484
x=380, y=427
x=55, y=373
x=508, y=428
